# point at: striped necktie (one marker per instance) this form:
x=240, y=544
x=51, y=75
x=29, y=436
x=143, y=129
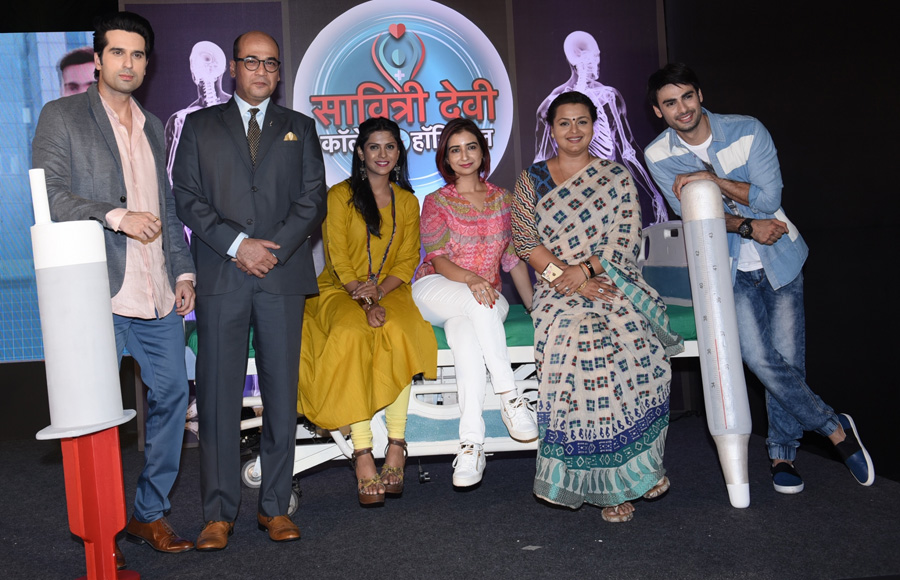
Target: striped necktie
x=253, y=133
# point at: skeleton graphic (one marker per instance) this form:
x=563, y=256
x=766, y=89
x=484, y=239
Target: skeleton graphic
x=208, y=64
x=612, y=134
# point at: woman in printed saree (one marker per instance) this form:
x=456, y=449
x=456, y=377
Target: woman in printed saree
x=602, y=337
x=466, y=234
x=363, y=337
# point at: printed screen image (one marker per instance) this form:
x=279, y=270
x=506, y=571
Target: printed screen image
x=39, y=67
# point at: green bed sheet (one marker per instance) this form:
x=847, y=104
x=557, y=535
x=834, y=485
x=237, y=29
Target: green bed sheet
x=520, y=329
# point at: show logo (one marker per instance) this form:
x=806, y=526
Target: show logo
x=417, y=62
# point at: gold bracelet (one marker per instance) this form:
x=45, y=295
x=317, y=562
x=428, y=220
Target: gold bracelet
x=583, y=284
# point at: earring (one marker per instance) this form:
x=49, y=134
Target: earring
x=396, y=173
x=363, y=174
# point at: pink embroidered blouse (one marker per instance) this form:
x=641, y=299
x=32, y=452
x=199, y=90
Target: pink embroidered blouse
x=479, y=241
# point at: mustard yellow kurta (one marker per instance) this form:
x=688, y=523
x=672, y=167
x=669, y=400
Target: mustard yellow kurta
x=349, y=370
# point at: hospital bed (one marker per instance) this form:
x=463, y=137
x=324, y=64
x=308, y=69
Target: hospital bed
x=433, y=422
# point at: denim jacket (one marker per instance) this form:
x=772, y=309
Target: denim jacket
x=741, y=150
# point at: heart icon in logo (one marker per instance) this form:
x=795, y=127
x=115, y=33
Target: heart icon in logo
x=398, y=55
x=397, y=30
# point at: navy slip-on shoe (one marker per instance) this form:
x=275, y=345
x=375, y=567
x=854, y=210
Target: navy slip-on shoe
x=853, y=454
x=786, y=479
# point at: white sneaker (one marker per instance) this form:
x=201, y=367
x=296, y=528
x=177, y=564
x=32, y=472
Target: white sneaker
x=468, y=466
x=518, y=416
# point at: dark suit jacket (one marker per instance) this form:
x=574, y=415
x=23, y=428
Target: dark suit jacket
x=219, y=194
x=75, y=145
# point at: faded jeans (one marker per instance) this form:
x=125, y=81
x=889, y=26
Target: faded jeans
x=772, y=331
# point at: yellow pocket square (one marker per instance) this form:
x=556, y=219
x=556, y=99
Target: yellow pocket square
x=290, y=137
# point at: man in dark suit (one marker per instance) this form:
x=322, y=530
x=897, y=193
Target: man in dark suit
x=249, y=182
x=104, y=158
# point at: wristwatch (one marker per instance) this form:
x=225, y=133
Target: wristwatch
x=745, y=229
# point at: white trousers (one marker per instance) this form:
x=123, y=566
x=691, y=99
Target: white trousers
x=476, y=338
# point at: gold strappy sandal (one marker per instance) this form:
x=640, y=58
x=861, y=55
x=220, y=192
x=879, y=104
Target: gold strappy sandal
x=363, y=484
x=389, y=471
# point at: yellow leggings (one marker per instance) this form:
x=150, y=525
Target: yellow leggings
x=394, y=417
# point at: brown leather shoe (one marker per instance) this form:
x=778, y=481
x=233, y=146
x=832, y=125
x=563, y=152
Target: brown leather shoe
x=214, y=536
x=159, y=534
x=280, y=528
x=120, y=557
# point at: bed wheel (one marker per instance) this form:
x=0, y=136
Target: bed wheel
x=251, y=475
x=294, y=505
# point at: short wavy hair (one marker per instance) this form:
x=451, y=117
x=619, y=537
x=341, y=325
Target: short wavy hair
x=453, y=127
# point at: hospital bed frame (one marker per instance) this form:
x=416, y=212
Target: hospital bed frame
x=432, y=427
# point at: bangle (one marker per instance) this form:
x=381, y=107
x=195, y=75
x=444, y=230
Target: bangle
x=590, y=267
x=587, y=274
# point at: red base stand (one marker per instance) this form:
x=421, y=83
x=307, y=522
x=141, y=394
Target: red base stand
x=95, y=495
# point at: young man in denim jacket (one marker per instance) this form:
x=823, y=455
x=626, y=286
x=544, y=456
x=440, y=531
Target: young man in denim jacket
x=767, y=255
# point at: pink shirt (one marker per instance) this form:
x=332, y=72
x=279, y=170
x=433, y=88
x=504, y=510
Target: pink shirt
x=145, y=291
x=477, y=240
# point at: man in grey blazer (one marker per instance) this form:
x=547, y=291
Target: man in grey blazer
x=104, y=158
x=249, y=182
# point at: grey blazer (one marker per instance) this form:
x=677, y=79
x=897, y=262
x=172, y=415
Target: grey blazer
x=76, y=147
x=220, y=194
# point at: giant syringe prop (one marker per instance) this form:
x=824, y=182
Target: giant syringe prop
x=82, y=377
x=724, y=388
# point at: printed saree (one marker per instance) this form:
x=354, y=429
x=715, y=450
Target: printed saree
x=603, y=368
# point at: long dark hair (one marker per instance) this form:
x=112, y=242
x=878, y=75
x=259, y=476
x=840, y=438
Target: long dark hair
x=361, y=196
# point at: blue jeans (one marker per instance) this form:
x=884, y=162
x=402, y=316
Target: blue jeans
x=772, y=330
x=158, y=347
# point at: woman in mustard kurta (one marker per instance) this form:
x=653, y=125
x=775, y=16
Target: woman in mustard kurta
x=363, y=336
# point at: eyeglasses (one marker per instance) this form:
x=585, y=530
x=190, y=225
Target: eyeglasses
x=252, y=63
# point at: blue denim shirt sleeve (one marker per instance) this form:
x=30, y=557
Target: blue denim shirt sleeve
x=763, y=172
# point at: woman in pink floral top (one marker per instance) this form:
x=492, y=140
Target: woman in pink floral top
x=465, y=229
